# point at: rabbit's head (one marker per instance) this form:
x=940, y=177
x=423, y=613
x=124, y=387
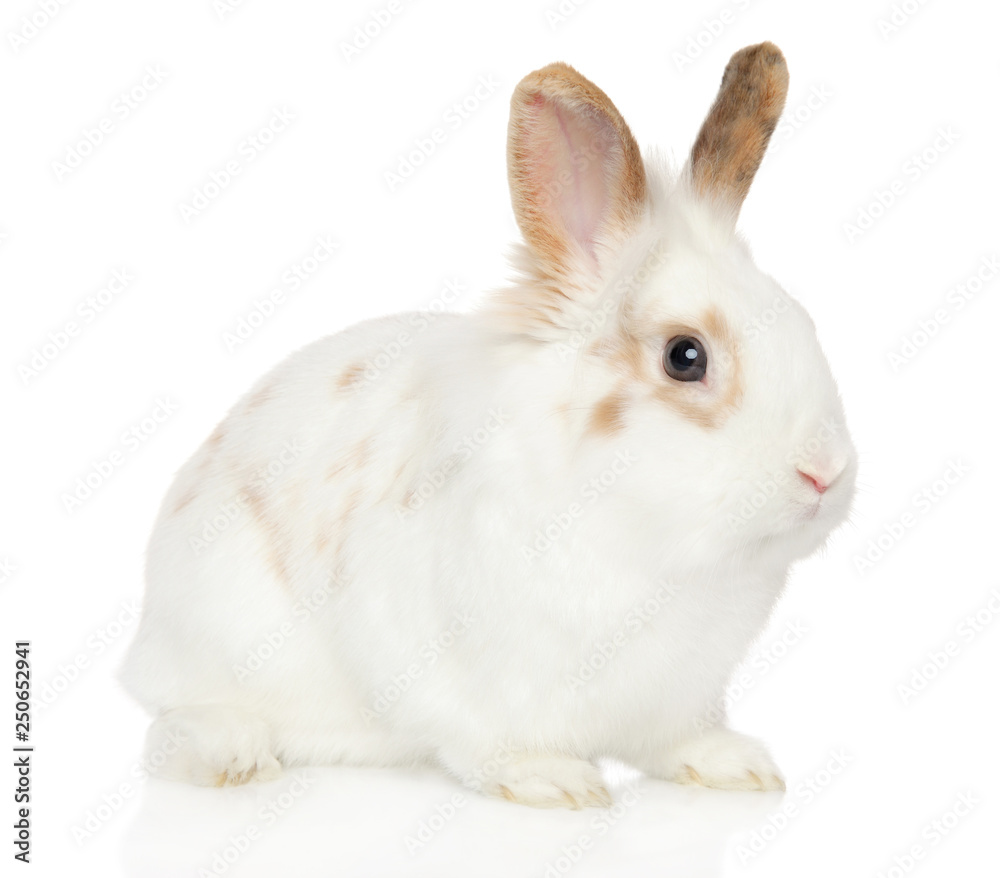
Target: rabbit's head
x=679, y=348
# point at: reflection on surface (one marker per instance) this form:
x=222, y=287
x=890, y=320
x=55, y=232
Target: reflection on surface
x=369, y=822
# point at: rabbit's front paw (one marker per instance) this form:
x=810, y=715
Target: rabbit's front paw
x=210, y=745
x=724, y=760
x=549, y=782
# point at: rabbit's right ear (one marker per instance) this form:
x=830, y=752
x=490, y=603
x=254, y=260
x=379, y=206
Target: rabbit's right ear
x=735, y=134
x=575, y=172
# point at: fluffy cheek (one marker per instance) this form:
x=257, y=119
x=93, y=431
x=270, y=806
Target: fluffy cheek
x=687, y=484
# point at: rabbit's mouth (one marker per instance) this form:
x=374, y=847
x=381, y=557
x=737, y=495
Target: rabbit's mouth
x=826, y=511
x=801, y=517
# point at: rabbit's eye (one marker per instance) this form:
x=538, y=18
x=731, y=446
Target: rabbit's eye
x=684, y=359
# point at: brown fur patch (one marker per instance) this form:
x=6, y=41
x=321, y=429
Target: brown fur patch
x=326, y=530
x=215, y=440
x=608, y=416
x=731, y=144
x=339, y=528
x=392, y=485
x=275, y=540
x=260, y=397
x=185, y=500
x=628, y=350
x=350, y=510
x=352, y=375
x=354, y=460
x=409, y=497
x=359, y=457
x=353, y=503
x=337, y=468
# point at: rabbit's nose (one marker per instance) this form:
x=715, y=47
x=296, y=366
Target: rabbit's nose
x=817, y=481
x=822, y=474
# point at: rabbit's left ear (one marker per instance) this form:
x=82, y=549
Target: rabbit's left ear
x=576, y=177
x=735, y=134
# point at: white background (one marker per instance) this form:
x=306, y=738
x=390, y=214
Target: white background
x=878, y=98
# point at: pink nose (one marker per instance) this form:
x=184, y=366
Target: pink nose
x=817, y=481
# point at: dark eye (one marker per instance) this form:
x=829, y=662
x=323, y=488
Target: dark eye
x=684, y=359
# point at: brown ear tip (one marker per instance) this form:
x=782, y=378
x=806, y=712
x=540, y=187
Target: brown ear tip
x=769, y=53
x=761, y=63
x=559, y=68
x=763, y=57
x=544, y=77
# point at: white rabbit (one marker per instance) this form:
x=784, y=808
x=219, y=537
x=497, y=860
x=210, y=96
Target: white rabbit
x=514, y=541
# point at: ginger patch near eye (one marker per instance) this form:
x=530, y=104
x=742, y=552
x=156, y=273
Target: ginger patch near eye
x=699, y=373
x=608, y=416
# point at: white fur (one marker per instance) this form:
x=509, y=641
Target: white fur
x=495, y=707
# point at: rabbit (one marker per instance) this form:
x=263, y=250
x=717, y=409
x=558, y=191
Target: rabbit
x=511, y=542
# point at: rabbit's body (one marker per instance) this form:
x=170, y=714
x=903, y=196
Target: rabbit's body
x=502, y=541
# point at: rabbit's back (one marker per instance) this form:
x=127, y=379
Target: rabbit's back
x=258, y=523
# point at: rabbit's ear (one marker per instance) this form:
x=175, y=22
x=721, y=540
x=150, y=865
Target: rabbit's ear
x=732, y=140
x=576, y=175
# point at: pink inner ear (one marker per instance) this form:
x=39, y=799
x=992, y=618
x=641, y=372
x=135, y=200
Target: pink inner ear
x=571, y=149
